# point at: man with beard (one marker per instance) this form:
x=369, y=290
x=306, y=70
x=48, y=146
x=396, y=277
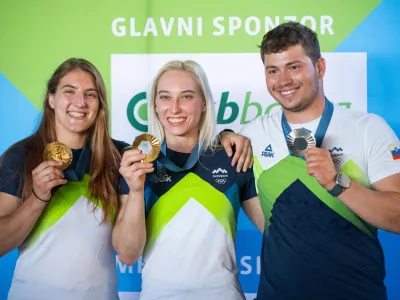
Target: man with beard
x=327, y=178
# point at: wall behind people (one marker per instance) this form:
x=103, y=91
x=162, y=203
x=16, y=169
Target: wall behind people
x=129, y=40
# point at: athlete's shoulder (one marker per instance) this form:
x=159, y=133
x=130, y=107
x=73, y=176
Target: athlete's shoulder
x=15, y=153
x=358, y=119
x=344, y=112
x=215, y=156
x=266, y=119
x=215, y=153
x=120, y=144
x=217, y=160
x=261, y=124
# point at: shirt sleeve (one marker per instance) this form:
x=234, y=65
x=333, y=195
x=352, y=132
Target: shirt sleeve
x=383, y=149
x=248, y=190
x=121, y=145
x=12, y=168
x=123, y=188
x=251, y=129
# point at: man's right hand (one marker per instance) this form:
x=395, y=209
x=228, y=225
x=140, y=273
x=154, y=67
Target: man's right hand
x=243, y=151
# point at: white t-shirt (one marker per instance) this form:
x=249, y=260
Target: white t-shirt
x=313, y=244
x=68, y=254
x=364, y=139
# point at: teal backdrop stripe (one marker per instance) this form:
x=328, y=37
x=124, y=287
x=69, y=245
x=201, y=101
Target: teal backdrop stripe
x=17, y=114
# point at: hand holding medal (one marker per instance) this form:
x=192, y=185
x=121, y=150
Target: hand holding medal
x=320, y=165
x=299, y=140
x=137, y=161
x=57, y=157
x=149, y=145
x=58, y=152
x=303, y=144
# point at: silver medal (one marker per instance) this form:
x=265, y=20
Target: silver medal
x=299, y=140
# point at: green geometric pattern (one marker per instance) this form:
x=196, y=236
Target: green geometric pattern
x=190, y=186
x=62, y=200
x=257, y=169
x=351, y=169
x=279, y=177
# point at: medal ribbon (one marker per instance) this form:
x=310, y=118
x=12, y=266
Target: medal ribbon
x=322, y=126
x=83, y=162
x=163, y=162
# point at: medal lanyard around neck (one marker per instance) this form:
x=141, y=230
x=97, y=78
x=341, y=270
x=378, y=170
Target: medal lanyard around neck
x=163, y=162
x=81, y=167
x=170, y=165
x=322, y=126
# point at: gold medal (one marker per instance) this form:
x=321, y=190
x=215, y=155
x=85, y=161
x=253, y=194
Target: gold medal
x=59, y=152
x=149, y=145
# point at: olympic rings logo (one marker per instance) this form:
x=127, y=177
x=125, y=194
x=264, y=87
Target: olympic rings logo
x=220, y=180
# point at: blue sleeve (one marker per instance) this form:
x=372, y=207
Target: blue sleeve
x=12, y=168
x=123, y=186
x=121, y=145
x=248, y=190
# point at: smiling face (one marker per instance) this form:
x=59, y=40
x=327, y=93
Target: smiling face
x=293, y=79
x=179, y=104
x=75, y=104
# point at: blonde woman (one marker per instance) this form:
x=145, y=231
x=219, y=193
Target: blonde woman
x=185, y=222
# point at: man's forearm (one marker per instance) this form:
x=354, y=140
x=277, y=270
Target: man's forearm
x=380, y=209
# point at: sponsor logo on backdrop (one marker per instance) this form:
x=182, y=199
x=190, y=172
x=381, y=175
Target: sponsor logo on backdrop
x=228, y=112
x=239, y=92
x=137, y=112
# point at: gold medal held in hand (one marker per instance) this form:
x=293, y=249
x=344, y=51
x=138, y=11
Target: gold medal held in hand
x=59, y=152
x=149, y=145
